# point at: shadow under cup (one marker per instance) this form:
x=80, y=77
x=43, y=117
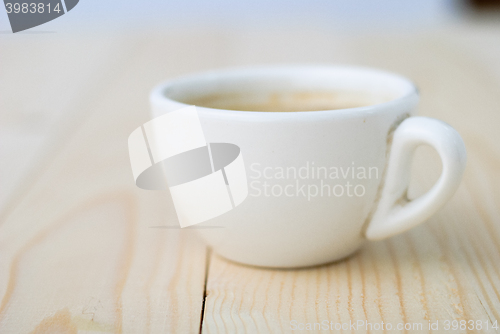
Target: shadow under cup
x=293, y=117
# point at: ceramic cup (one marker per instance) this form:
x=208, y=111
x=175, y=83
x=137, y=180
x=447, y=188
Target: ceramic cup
x=320, y=183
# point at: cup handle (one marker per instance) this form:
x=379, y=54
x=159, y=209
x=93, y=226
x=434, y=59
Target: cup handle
x=395, y=213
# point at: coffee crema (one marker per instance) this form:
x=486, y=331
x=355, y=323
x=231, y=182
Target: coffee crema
x=289, y=101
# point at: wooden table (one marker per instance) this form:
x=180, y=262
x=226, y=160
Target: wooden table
x=78, y=253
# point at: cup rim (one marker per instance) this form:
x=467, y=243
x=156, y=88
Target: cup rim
x=158, y=95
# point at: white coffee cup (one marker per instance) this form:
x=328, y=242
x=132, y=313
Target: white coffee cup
x=288, y=224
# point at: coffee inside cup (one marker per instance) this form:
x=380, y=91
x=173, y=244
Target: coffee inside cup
x=288, y=101
x=285, y=90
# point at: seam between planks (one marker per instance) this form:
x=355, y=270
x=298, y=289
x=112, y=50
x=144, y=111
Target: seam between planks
x=207, y=268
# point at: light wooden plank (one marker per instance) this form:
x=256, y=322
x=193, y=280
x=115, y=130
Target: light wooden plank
x=77, y=251
x=42, y=78
x=446, y=269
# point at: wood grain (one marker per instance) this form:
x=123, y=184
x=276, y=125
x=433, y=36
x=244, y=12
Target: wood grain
x=446, y=269
x=77, y=251
x=82, y=250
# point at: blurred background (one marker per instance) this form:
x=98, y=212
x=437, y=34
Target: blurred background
x=345, y=15
x=195, y=35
